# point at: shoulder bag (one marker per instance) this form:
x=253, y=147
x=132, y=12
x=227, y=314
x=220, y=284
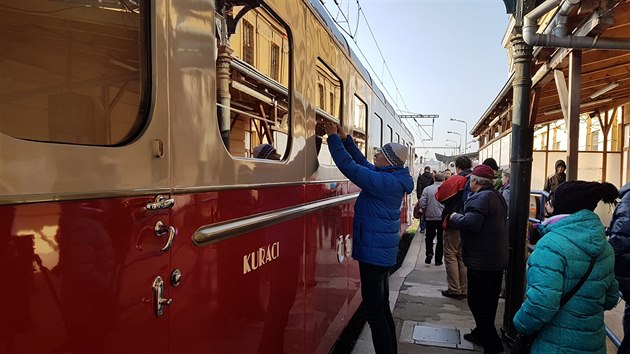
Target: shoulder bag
x=523, y=344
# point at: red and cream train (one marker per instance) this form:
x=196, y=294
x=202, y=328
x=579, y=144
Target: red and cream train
x=133, y=217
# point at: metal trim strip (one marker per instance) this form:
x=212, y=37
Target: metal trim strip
x=58, y=197
x=184, y=190
x=209, y=234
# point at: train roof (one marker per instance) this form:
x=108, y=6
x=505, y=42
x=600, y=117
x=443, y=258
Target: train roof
x=332, y=27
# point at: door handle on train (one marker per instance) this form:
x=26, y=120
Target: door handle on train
x=348, y=244
x=160, y=229
x=160, y=203
x=158, y=300
x=340, y=251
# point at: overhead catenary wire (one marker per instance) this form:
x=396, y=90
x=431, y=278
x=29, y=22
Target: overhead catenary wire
x=353, y=36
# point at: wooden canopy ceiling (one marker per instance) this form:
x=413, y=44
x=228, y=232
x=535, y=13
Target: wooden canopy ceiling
x=600, y=68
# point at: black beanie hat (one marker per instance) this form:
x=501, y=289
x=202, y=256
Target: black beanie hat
x=573, y=196
x=492, y=163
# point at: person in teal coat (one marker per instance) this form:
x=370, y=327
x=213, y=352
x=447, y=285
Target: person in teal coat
x=571, y=236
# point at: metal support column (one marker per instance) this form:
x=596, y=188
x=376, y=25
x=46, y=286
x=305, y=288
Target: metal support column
x=573, y=112
x=223, y=78
x=520, y=170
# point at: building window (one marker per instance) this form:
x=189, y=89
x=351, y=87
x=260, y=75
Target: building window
x=248, y=42
x=275, y=61
x=70, y=78
x=322, y=98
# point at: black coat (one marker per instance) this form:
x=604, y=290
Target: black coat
x=483, y=229
x=619, y=232
x=424, y=180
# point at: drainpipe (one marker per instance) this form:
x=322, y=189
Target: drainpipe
x=558, y=37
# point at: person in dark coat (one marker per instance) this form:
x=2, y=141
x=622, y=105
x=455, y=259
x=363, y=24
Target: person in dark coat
x=558, y=177
x=483, y=227
x=424, y=180
x=619, y=232
x=376, y=224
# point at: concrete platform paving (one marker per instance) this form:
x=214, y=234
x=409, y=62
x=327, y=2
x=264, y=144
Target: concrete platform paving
x=415, y=298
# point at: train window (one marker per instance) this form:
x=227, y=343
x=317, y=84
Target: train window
x=391, y=134
x=359, y=122
x=329, y=88
x=256, y=110
x=379, y=126
x=73, y=72
x=397, y=138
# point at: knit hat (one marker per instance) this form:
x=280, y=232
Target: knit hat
x=492, y=163
x=264, y=151
x=573, y=196
x=483, y=171
x=395, y=154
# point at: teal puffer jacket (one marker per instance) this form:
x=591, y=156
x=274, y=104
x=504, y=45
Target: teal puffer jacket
x=561, y=258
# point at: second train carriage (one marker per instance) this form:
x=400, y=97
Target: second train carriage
x=133, y=217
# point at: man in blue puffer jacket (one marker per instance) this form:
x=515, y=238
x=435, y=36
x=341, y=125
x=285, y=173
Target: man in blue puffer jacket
x=571, y=237
x=376, y=224
x=619, y=232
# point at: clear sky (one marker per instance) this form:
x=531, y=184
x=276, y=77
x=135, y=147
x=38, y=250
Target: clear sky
x=445, y=56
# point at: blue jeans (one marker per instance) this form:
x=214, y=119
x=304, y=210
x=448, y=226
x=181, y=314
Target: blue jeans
x=375, y=293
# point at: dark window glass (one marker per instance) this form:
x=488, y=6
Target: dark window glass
x=71, y=73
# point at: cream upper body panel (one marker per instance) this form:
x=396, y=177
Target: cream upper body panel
x=32, y=171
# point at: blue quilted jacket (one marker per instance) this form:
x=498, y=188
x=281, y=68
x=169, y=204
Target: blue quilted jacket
x=376, y=224
x=561, y=258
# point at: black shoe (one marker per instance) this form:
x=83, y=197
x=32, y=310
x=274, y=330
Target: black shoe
x=452, y=295
x=428, y=259
x=472, y=339
x=438, y=263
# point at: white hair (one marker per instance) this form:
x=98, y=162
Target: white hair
x=481, y=180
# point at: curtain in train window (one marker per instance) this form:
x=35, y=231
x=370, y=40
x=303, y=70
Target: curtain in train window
x=359, y=124
x=253, y=84
x=73, y=72
x=328, y=107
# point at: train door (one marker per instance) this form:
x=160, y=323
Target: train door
x=84, y=183
x=238, y=178
x=326, y=267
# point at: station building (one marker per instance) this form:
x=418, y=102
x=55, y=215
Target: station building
x=599, y=79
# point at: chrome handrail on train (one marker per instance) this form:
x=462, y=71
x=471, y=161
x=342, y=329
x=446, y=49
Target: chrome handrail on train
x=530, y=248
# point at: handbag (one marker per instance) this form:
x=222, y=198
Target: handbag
x=417, y=211
x=522, y=344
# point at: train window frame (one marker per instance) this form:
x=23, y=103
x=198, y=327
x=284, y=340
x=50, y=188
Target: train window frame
x=260, y=98
x=359, y=124
x=391, y=133
x=325, y=111
x=78, y=100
